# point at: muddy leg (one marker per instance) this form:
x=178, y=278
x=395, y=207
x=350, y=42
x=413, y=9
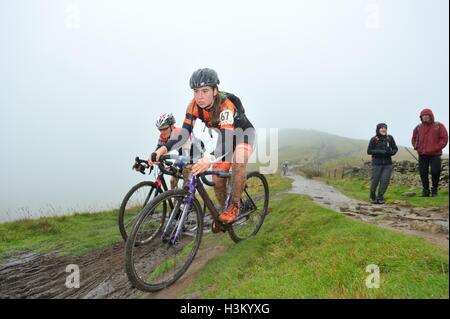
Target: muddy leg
x=238, y=179
x=221, y=190
x=186, y=172
x=239, y=174
x=173, y=183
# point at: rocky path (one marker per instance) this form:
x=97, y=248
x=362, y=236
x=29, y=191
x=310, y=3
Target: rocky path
x=428, y=222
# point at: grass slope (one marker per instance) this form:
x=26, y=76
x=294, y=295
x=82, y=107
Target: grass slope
x=305, y=251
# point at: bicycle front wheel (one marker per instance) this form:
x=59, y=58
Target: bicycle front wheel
x=161, y=261
x=253, y=208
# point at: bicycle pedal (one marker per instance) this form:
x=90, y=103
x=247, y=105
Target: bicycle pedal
x=218, y=227
x=215, y=228
x=225, y=226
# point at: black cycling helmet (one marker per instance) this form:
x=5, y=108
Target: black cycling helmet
x=204, y=77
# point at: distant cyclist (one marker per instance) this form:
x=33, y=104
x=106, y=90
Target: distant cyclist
x=285, y=168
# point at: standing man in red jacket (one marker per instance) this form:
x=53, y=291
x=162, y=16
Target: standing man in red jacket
x=429, y=139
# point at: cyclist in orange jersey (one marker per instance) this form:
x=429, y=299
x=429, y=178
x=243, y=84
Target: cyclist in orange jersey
x=224, y=113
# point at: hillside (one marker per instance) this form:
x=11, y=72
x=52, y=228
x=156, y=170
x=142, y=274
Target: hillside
x=312, y=148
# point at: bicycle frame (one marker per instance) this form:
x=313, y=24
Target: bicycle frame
x=161, y=187
x=161, y=182
x=208, y=202
x=195, y=184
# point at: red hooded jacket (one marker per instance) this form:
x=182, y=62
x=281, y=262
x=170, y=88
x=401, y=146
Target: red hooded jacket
x=429, y=138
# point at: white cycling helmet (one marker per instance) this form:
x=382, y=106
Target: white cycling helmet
x=166, y=119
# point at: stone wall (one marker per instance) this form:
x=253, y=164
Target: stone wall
x=405, y=173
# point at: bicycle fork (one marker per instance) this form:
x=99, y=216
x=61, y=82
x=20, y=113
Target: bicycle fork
x=175, y=233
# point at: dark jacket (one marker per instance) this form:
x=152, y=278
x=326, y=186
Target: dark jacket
x=382, y=147
x=429, y=138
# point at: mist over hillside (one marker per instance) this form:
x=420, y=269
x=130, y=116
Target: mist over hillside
x=311, y=147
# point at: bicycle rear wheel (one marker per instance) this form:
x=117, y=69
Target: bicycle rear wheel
x=161, y=261
x=254, y=206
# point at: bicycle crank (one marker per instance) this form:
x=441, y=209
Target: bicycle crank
x=217, y=227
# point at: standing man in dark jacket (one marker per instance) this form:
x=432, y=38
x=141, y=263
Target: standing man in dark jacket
x=382, y=146
x=429, y=139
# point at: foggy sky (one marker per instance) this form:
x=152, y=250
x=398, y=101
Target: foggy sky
x=82, y=82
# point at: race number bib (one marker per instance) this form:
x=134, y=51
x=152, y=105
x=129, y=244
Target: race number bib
x=226, y=117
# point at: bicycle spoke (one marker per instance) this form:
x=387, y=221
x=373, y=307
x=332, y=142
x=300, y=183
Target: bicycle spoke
x=131, y=221
x=253, y=207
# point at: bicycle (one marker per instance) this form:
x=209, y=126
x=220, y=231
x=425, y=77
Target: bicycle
x=170, y=246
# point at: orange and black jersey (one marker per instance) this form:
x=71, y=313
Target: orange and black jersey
x=232, y=116
x=231, y=112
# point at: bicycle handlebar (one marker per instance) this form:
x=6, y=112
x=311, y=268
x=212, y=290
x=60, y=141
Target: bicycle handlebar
x=171, y=170
x=205, y=181
x=141, y=165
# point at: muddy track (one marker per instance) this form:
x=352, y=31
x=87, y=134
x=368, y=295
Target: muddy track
x=200, y=261
x=44, y=276
x=102, y=275
x=428, y=222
